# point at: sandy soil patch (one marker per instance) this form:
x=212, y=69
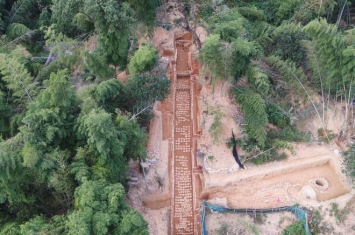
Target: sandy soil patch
x=248, y=224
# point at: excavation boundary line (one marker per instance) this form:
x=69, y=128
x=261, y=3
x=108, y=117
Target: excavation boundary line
x=301, y=214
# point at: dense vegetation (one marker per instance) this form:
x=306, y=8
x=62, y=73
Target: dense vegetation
x=68, y=126
x=288, y=52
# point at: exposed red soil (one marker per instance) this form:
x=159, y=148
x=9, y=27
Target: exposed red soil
x=183, y=212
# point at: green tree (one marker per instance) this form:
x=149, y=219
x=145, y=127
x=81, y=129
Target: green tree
x=227, y=60
x=63, y=13
x=293, y=76
x=5, y=116
x=252, y=13
x=286, y=9
x=80, y=166
x=114, y=46
x=331, y=55
x=112, y=20
x=15, y=179
x=132, y=223
x=21, y=189
x=133, y=135
x=11, y=228
x=145, y=11
x=258, y=79
x=104, y=146
x=144, y=59
x=116, y=42
x=227, y=51
x=334, y=50
x=312, y=9
x=41, y=225
x=286, y=43
x=50, y=119
x=143, y=89
x=100, y=208
x=33, y=226
x=277, y=116
x=48, y=135
x=255, y=116
x=210, y=56
x=17, y=79
x=24, y=12
x=97, y=64
x=2, y=12
x=17, y=30
x=110, y=94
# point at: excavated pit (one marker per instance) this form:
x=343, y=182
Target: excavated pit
x=277, y=185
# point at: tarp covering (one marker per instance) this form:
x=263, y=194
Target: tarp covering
x=301, y=214
x=235, y=153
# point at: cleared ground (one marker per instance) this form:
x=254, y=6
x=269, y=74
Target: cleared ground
x=170, y=194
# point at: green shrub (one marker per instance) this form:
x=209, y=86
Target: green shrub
x=336, y=213
x=315, y=223
x=349, y=162
x=252, y=13
x=325, y=135
x=98, y=66
x=286, y=43
x=15, y=30
x=276, y=116
x=223, y=229
x=144, y=59
x=206, y=11
x=286, y=9
x=253, y=106
x=216, y=127
x=295, y=229
x=270, y=156
x=259, y=218
x=289, y=133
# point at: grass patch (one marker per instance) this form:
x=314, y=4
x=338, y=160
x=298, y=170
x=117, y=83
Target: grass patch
x=325, y=136
x=223, y=229
x=334, y=211
x=216, y=128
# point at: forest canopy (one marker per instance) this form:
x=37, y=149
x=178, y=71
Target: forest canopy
x=68, y=126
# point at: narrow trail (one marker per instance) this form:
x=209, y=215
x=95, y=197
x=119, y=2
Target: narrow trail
x=182, y=209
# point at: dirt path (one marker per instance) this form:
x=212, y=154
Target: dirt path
x=183, y=221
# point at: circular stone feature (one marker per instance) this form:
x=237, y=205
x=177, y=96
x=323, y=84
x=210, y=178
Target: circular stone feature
x=320, y=184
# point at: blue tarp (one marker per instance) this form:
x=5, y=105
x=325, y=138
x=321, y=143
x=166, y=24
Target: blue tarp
x=301, y=214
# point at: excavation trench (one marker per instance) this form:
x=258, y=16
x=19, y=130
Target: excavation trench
x=314, y=179
x=184, y=205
